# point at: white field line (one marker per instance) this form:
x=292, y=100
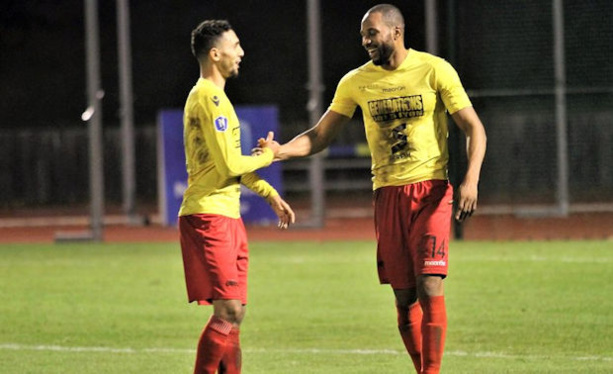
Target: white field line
x=314, y=351
x=572, y=260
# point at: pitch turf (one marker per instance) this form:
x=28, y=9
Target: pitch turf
x=531, y=307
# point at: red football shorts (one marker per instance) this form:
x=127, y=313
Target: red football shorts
x=412, y=225
x=215, y=257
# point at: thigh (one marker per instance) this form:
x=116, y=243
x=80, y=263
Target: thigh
x=394, y=261
x=242, y=259
x=429, y=238
x=215, y=257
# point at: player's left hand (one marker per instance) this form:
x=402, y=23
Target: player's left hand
x=282, y=210
x=467, y=200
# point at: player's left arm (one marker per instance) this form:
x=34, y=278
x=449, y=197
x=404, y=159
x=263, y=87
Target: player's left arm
x=281, y=208
x=468, y=121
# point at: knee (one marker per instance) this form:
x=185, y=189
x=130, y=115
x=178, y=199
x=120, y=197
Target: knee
x=429, y=285
x=405, y=298
x=231, y=313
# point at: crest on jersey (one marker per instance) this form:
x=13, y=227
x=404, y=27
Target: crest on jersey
x=221, y=123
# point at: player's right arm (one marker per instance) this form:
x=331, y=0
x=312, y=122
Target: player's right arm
x=316, y=139
x=223, y=143
x=319, y=137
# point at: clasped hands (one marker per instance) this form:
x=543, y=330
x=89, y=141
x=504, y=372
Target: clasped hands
x=270, y=143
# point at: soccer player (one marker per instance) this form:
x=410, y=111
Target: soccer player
x=404, y=95
x=213, y=237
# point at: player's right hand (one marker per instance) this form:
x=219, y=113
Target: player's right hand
x=269, y=142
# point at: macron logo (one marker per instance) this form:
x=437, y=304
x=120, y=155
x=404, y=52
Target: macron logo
x=435, y=263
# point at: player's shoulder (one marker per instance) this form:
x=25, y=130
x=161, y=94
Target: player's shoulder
x=205, y=87
x=428, y=59
x=206, y=91
x=358, y=72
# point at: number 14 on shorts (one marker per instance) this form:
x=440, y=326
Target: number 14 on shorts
x=431, y=248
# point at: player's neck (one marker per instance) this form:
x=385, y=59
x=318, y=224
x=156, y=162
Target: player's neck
x=396, y=59
x=213, y=74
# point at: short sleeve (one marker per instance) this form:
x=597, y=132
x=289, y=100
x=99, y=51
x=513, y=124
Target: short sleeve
x=450, y=88
x=343, y=103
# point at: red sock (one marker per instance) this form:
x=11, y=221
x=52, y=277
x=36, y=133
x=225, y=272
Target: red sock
x=212, y=345
x=231, y=361
x=409, y=325
x=433, y=328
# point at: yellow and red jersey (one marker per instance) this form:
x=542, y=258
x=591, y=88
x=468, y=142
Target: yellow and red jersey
x=215, y=165
x=404, y=112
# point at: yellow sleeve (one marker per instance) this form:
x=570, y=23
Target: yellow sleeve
x=342, y=103
x=450, y=88
x=222, y=134
x=258, y=185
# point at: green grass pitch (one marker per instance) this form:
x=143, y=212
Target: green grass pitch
x=526, y=307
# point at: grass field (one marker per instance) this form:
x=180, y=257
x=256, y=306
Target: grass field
x=527, y=307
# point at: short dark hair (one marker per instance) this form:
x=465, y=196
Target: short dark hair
x=392, y=16
x=206, y=34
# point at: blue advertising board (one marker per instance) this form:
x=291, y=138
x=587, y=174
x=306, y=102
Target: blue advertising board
x=255, y=123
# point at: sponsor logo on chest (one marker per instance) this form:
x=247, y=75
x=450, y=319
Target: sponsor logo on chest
x=389, y=109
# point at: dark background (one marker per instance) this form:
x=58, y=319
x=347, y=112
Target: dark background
x=503, y=51
x=42, y=63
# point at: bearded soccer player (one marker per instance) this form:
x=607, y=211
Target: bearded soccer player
x=404, y=95
x=213, y=237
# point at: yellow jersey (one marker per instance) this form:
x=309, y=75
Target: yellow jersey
x=404, y=115
x=215, y=165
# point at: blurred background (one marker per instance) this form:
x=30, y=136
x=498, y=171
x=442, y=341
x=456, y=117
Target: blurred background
x=539, y=73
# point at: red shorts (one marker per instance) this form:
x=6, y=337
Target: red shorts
x=412, y=225
x=215, y=257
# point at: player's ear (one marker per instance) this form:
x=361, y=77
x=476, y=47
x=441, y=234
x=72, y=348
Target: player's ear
x=397, y=33
x=214, y=54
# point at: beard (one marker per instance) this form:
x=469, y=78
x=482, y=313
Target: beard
x=384, y=52
x=229, y=70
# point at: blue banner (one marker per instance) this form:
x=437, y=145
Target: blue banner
x=255, y=123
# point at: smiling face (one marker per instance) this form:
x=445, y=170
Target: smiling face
x=227, y=54
x=377, y=38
